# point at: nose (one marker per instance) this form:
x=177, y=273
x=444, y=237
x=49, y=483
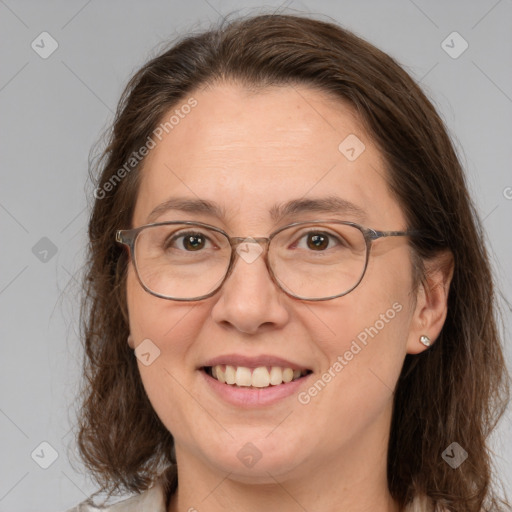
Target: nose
x=249, y=300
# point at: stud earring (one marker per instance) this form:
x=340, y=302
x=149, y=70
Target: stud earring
x=425, y=340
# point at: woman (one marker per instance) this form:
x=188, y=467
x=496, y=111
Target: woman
x=289, y=303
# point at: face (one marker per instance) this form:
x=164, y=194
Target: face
x=248, y=153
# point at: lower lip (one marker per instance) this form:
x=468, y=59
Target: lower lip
x=253, y=397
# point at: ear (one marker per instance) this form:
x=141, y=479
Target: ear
x=131, y=343
x=431, y=301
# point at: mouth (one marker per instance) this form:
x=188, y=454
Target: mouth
x=259, y=377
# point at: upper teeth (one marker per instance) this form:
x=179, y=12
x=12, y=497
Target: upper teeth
x=259, y=377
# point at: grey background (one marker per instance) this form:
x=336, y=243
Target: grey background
x=53, y=110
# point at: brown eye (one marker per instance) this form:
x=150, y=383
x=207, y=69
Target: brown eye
x=317, y=241
x=193, y=242
x=187, y=241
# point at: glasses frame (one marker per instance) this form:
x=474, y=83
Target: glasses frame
x=128, y=238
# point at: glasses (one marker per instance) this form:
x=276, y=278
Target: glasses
x=312, y=260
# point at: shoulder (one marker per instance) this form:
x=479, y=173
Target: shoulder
x=152, y=500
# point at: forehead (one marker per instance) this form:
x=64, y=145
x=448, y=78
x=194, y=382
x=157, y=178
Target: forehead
x=249, y=152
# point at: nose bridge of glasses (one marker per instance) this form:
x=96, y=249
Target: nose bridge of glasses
x=236, y=241
x=249, y=248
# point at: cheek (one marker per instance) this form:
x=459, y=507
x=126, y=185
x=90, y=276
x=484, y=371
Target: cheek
x=379, y=308
x=363, y=361
x=359, y=339
x=162, y=321
x=163, y=329
x=366, y=335
x=166, y=330
x=173, y=326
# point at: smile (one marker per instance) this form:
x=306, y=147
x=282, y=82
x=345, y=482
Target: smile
x=260, y=377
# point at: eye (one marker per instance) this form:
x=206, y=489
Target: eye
x=318, y=241
x=190, y=241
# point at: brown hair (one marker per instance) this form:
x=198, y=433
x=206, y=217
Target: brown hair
x=455, y=391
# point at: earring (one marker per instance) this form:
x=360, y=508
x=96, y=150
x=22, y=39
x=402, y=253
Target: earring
x=425, y=340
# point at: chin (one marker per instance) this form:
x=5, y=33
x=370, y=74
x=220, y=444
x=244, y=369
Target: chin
x=256, y=460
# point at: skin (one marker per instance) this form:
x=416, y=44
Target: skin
x=248, y=151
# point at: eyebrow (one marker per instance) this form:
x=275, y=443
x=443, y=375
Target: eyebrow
x=329, y=205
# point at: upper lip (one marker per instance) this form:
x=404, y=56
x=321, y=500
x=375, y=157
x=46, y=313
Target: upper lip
x=253, y=361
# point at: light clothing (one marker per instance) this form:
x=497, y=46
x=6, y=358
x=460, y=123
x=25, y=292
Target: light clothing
x=153, y=500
